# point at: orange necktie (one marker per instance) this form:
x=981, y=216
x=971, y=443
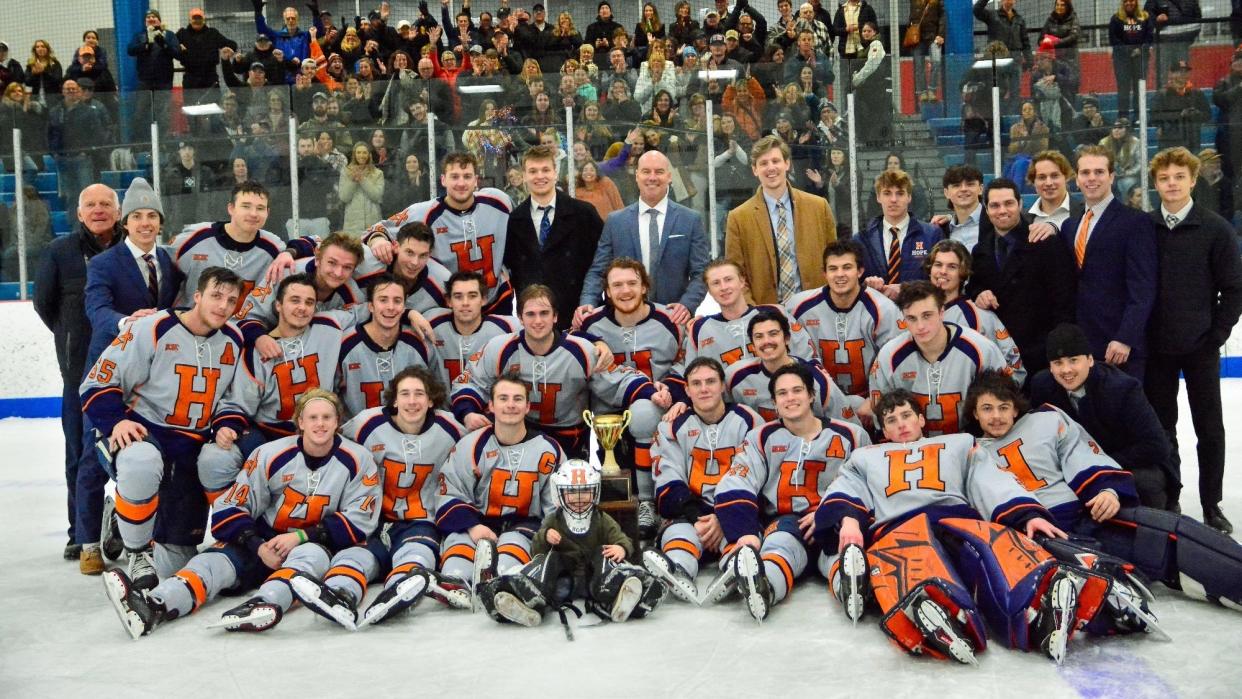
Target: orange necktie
x=1080, y=241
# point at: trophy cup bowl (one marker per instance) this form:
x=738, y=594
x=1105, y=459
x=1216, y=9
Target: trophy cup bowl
x=608, y=430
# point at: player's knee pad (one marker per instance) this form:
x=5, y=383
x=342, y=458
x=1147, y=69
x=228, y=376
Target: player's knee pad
x=1181, y=552
x=309, y=558
x=908, y=565
x=218, y=468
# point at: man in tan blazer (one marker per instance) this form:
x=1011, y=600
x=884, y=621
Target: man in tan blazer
x=777, y=236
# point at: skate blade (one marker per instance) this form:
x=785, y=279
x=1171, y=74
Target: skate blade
x=933, y=621
x=408, y=592
x=307, y=593
x=853, y=567
x=1153, y=625
x=1136, y=584
x=115, y=591
x=681, y=588
x=1065, y=608
x=510, y=608
x=720, y=588
x=747, y=569
x=627, y=598
x=263, y=620
x=456, y=599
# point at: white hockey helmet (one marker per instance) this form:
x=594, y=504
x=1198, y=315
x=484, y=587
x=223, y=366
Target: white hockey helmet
x=574, y=478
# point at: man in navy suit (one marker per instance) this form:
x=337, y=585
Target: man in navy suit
x=667, y=238
x=132, y=279
x=1114, y=248
x=895, y=244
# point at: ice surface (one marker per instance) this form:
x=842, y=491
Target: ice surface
x=60, y=638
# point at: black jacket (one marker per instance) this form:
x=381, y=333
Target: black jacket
x=563, y=262
x=1115, y=412
x=60, y=298
x=1199, y=292
x=1035, y=287
x=200, y=54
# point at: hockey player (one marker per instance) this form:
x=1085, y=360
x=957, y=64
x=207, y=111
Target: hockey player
x=410, y=440
x=422, y=277
x=747, y=381
x=948, y=268
x=239, y=244
x=331, y=271
x=689, y=457
x=495, y=489
x=578, y=551
x=723, y=336
x=258, y=406
x=933, y=359
x=152, y=396
x=643, y=337
x=563, y=374
x=1091, y=496
x=847, y=321
x=938, y=519
x=373, y=353
x=470, y=228
x=461, y=330
x=766, y=501
x=301, y=507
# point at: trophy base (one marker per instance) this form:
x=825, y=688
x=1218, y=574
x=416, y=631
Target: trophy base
x=617, y=498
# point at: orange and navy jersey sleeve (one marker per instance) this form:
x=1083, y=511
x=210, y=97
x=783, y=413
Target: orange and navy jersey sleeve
x=304, y=246
x=738, y=492
x=668, y=465
x=124, y=365
x=1086, y=468
x=997, y=494
x=456, y=506
x=472, y=389
x=359, y=508
x=846, y=496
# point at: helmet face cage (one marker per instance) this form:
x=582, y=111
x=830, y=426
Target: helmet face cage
x=578, y=505
x=574, y=479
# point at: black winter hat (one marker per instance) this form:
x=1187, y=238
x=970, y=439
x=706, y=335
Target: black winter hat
x=1066, y=340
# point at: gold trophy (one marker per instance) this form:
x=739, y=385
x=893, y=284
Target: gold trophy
x=608, y=429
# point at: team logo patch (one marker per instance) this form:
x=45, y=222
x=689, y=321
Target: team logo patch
x=692, y=434
x=355, y=366
x=378, y=448
x=198, y=257
x=1002, y=334
x=493, y=454
x=172, y=347
x=909, y=375
x=812, y=323
x=779, y=448
x=260, y=292
x=286, y=478
x=708, y=342
x=795, y=327
x=441, y=230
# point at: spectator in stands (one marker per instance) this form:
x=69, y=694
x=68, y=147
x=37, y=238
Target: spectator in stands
x=931, y=19
x=563, y=43
x=1008, y=27
x=38, y=234
x=1180, y=110
x=1131, y=32
x=44, y=73
x=60, y=283
x=154, y=49
x=656, y=74
x=1228, y=99
x=807, y=55
x=597, y=190
x=977, y=83
x=90, y=38
x=19, y=111
x=1135, y=198
x=734, y=50
x=618, y=69
x=1088, y=126
x=1054, y=85
x=873, y=87
x=744, y=101
x=1198, y=301
x=1028, y=135
x=847, y=26
x=684, y=27
x=87, y=67
x=895, y=243
x=649, y=27
x=10, y=69
x=1127, y=154
x=599, y=33
x=361, y=191
x=200, y=51
x=292, y=41
x=1060, y=32
x=1213, y=189
x=77, y=128
x=1177, y=27
x=184, y=179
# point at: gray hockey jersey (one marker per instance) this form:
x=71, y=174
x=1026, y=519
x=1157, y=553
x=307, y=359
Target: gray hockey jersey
x=471, y=240
x=278, y=491
x=652, y=346
x=965, y=313
x=366, y=367
x=562, y=381
x=159, y=372
x=846, y=339
x=779, y=473
x=1055, y=459
x=746, y=382
x=946, y=476
x=454, y=349
x=200, y=247
x=726, y=341
x=487, y=480
x=348, y=297
x=939, y=386
x=409, y=464
x=264, y=393
x=690, y=456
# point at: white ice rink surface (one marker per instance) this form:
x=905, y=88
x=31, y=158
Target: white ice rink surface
x=60, y=638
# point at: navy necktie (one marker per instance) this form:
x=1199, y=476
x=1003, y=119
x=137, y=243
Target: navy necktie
x=153, y=280
x=545, y=226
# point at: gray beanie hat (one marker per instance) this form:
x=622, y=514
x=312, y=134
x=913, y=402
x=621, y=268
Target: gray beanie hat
x=140, y=196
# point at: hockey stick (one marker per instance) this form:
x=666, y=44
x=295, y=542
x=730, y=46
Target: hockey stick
x=569, y=629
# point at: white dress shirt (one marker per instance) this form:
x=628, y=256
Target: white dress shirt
x=644, y=223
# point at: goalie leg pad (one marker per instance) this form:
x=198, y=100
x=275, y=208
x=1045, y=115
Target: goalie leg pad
x=1179, y=551
x=907, y=565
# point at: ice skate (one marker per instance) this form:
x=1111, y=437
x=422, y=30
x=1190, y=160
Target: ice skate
x=854, y=582
x=334, y=605
x=752, y=583
x=1057, y=615
x=255, y=614
x=396, y=599
x=941, y=631
x=679, y=581
x=138, y=613
x=111, y=544
x=141, y=570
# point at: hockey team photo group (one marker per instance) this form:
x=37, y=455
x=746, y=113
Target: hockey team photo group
x=749, y=428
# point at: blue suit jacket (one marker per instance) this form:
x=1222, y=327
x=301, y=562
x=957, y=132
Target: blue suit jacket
x=1117, y=282
x=116, y=287
x=683, y=253
x=914, y=249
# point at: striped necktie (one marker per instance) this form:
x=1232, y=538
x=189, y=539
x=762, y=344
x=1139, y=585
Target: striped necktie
x=788, y=283
x=1080, y=240
x=153, y=280
x=894, y=257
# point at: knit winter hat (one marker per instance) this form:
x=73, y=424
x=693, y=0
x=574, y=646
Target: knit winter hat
x=1065, y=340
x=140, y=196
